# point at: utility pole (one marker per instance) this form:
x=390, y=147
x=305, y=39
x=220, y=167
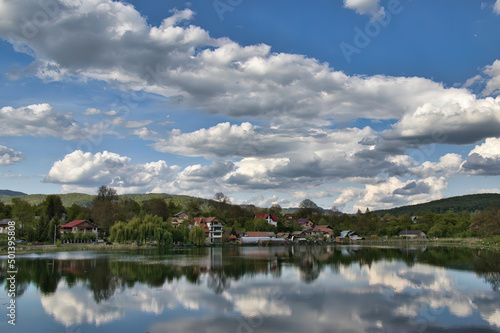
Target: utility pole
x=55, y=234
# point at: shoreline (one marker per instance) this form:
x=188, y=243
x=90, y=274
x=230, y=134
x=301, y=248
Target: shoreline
x=454, y=242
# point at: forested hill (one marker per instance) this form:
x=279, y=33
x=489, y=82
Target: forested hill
x=84, y=200
x=9, y=193
x=471, y=203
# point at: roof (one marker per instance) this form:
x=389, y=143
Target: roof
x=205, y=219
x=179, y=213
x=349, y=233
x=264, y=216
x=323, y=228
x=304, y=221
x=5, y=221
x=411, y=232
x=75, y=223
x=260, y=234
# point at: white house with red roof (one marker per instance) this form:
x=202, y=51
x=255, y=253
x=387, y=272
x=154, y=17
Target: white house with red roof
x=270, y=218
x=212, y=227
x=82, y=226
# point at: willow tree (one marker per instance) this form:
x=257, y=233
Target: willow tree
x=197, y=236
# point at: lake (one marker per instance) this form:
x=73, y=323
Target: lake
x=257, y=289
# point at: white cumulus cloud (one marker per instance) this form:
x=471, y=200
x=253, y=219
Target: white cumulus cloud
x=9, y=156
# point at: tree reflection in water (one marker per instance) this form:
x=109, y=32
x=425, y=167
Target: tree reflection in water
x=104, y=275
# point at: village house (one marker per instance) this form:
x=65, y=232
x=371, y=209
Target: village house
x=82, y=226
x=298, y=236
x=258, y=237
x=212, y=227
x=178, y=218
x=270, y=218
x=233, y=238
x=4, y=224
x=321, y=231
x=306, y=224
x=412, y=234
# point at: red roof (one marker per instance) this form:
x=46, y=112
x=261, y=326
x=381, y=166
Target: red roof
x=75, y=223
x=264, y=216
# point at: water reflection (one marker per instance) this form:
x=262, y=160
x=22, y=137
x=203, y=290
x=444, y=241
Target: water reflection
x=275, y=289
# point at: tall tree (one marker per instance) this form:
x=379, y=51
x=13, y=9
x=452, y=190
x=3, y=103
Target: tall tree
x=308, y=208
x=275, y=209
x=24, y=214
x=52, y=207
x=158, y=207
x=222, y=198
x=105, y=207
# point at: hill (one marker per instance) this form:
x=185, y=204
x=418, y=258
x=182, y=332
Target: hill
x=9, y=193
x=471, y=203
x=83, y=199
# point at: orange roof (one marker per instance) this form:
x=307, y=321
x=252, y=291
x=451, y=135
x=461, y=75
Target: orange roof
x=323, y=228
x=257, y=234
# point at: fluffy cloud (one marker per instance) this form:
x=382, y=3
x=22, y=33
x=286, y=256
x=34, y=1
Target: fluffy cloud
x=247, y=140
x=9, y=156
x=365, y=7
x=392, y=192
x=448, y=164
x=83, y=172
x=42, y=120
x=484, y=159
x=88, y=170
x=461, y=119
x=496, y=7
x=493, y=71
x=111, y=41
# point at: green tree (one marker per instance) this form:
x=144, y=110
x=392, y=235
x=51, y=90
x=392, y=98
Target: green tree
x=178, y=236
x=53, y=207
x=307, y=209
x=105, y=207
x=487, y=222
x=24, y=214
x=276, y=210
x=197, y=236
x=158, y=207
x=222, y=198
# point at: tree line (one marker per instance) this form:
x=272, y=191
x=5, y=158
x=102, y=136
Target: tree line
x=128, y=220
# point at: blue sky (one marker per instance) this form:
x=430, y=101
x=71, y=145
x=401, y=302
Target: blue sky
x=353, y=103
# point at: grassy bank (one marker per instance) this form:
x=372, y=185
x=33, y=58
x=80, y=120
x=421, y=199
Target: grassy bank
x=492, y=243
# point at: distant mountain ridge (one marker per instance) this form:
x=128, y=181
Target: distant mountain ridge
x=83, y=199
x=9, y=193
x=470, y=203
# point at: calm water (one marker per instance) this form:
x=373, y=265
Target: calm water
x=257, y=289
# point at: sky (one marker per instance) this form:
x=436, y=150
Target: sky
x=353, y=104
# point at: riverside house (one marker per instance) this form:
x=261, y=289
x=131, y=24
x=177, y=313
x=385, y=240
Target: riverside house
x=76, y=226
x=270, y=218
x=212, y=227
